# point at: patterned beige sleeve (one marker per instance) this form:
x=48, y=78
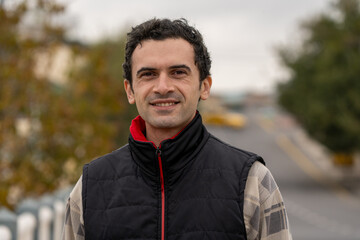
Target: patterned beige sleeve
x=264, y=211
x=74, y=223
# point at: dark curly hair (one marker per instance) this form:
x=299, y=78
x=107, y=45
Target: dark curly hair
x=161, y=29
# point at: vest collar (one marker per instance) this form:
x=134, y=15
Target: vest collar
x=176, y=152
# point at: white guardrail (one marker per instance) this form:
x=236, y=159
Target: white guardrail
x=35, y=219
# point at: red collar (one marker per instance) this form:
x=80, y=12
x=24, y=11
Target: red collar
x=138, y=129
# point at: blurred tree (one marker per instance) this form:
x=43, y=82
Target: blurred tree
x=49, y=128
x=101, y=114
x=22, y=98
x=323, y=91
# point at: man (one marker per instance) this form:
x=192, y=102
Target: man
x=173, y=180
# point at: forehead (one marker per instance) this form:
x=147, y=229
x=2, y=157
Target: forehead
x=163, y=53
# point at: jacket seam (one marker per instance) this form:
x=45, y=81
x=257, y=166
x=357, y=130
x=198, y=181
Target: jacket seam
x=217, y=169
x=205, y=198
x=133, y=205
x=187, y=232
x=142, y=238
x=112, y=179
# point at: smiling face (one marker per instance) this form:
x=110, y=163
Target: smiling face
x=166, y=86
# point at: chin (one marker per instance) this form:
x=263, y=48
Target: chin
x=165, y=125
x=164, y=122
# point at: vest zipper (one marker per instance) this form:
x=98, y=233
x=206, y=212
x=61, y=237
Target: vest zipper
x=158, y=152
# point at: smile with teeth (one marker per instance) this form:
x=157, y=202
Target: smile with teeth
x=164, y=104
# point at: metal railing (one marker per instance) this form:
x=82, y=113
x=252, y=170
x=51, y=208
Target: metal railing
x=35, y=219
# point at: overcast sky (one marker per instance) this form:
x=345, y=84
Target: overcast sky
x=240, y=34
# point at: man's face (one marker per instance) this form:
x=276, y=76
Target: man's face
x=166, y=85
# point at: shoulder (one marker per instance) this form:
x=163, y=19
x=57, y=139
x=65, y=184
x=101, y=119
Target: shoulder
x=260, y=182
x=119, y=153
x=75, y=194
x=109, y=166
x=216, y=146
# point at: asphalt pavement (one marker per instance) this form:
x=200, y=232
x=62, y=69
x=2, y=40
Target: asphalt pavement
x=322, y=200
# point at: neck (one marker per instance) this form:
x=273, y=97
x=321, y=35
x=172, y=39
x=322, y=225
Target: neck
x=158, y=135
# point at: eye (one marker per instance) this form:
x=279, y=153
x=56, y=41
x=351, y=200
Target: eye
x=179, y=73
x=148, y=74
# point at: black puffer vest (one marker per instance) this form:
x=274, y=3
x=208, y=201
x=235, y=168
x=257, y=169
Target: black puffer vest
x=191, y=187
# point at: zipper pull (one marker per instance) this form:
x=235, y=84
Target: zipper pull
x=158, y=152
x=158, y=155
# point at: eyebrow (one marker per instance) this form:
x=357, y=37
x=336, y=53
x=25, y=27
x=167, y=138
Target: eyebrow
x=181, y=66
x=143, y=69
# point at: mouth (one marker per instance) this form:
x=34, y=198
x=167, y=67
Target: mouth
x=164, y=103
x=167, y=104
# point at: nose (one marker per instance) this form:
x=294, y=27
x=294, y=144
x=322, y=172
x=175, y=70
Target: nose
x=163, y=84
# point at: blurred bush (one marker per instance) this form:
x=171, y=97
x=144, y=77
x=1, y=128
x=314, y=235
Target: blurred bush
x=61, y=102
x=323, y=91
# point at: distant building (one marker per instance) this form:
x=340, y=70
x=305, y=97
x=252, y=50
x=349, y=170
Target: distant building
x=259, y=100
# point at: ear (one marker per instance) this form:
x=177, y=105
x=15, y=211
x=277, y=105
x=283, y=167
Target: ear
x=205, y=88
x=129, y=91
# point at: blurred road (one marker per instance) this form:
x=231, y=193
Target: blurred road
x=320, y=206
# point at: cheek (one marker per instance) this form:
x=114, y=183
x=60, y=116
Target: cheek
x=188, y=89
x=194, y=91
x=140, y=95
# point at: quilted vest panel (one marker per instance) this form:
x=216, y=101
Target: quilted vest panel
x=202, y=201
